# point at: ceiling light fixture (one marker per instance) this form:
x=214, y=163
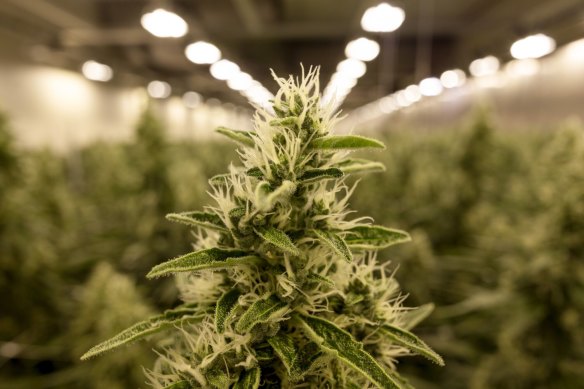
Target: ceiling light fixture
x=95, y=71
x=224, y=69
x=202, y=52
x=453, y=78
x=192, y=99
x=382, y=18
x=430, y=86
x=484, y=66
x=412, y=93
x=240, y=81
x=362, y=49
x=159, y=89
x=533, y=46
x=352, y=68
x=164, y=24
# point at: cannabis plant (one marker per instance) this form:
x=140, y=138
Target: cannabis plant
x=282, y=289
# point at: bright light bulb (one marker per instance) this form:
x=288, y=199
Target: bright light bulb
x=382, y=18
x=430, y=86
x=522, y=67
x=484, y=66
x=164, y=24
x=387, y=104
x=192, y=99
x=412, y=93
x=159, y=89
x=401, y=99
x=533, y=46
x=203, y=53
x=453, y=78
x=362, y=49
x=224, y=69
x=352, y=68
x=96, y=71
x=241, y=81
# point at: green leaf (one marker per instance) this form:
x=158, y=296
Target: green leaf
x=243, y=137
x=261, y=311
x=340, y=343
x=415, y=316
x=297, y=360
x=266, y=198
x=199, y=219
x=169, y=318
x=218, y=378
x=224, y=307
x=357, y=165
x=180, y=385
x=250, y=379
x=277, y=238
x=206, y=259
x=374, y=237
x=254, y=172
x=336, y=243
x=345, y=142
x=411, y=342
x=314, y=277
x=313, y=175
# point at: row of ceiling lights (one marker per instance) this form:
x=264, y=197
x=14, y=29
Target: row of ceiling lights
x=526, y=51
x=382, y=18
x=166, y=24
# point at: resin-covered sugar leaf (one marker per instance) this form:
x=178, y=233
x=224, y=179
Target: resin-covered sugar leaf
x=266, y=197
x=345, y=142
x=261, y=311
x=315, y=277
x=337, y=341
x=297, y=360
x=243, y=137
x=335, y=242
x=374, y=237
x=357, y=165
x=207, y=259
x=168, y=319
x=218, y=379
x=410, y=341
x=199, y=219
x=249, y=379
x=180, y=385
x=224, y=307
x=314, y=175
x=277, y=238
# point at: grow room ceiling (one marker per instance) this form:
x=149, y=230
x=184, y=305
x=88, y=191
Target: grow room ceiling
x=280, y=34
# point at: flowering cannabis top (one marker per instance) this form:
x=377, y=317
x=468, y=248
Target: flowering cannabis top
x=282, y=289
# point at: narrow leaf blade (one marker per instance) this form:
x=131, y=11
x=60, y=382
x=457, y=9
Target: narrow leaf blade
x=314, y=175
x=357, y=165
x=250, y=379
x=416, y=316
x=337, y=341
x=411, y=342
x=336, y=243
x=297, y=360
x=345, y=142
x=198, y=219
x=374, y=237
x=224, y=307
x=277, y=238
x=145, y=328
x=261, y=311
x=206, y=259
x=243, y=137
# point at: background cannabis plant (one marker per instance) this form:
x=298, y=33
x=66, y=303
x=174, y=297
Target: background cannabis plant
x=283, y=290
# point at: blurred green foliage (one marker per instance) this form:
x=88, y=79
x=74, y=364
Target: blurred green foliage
x=497, y=220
